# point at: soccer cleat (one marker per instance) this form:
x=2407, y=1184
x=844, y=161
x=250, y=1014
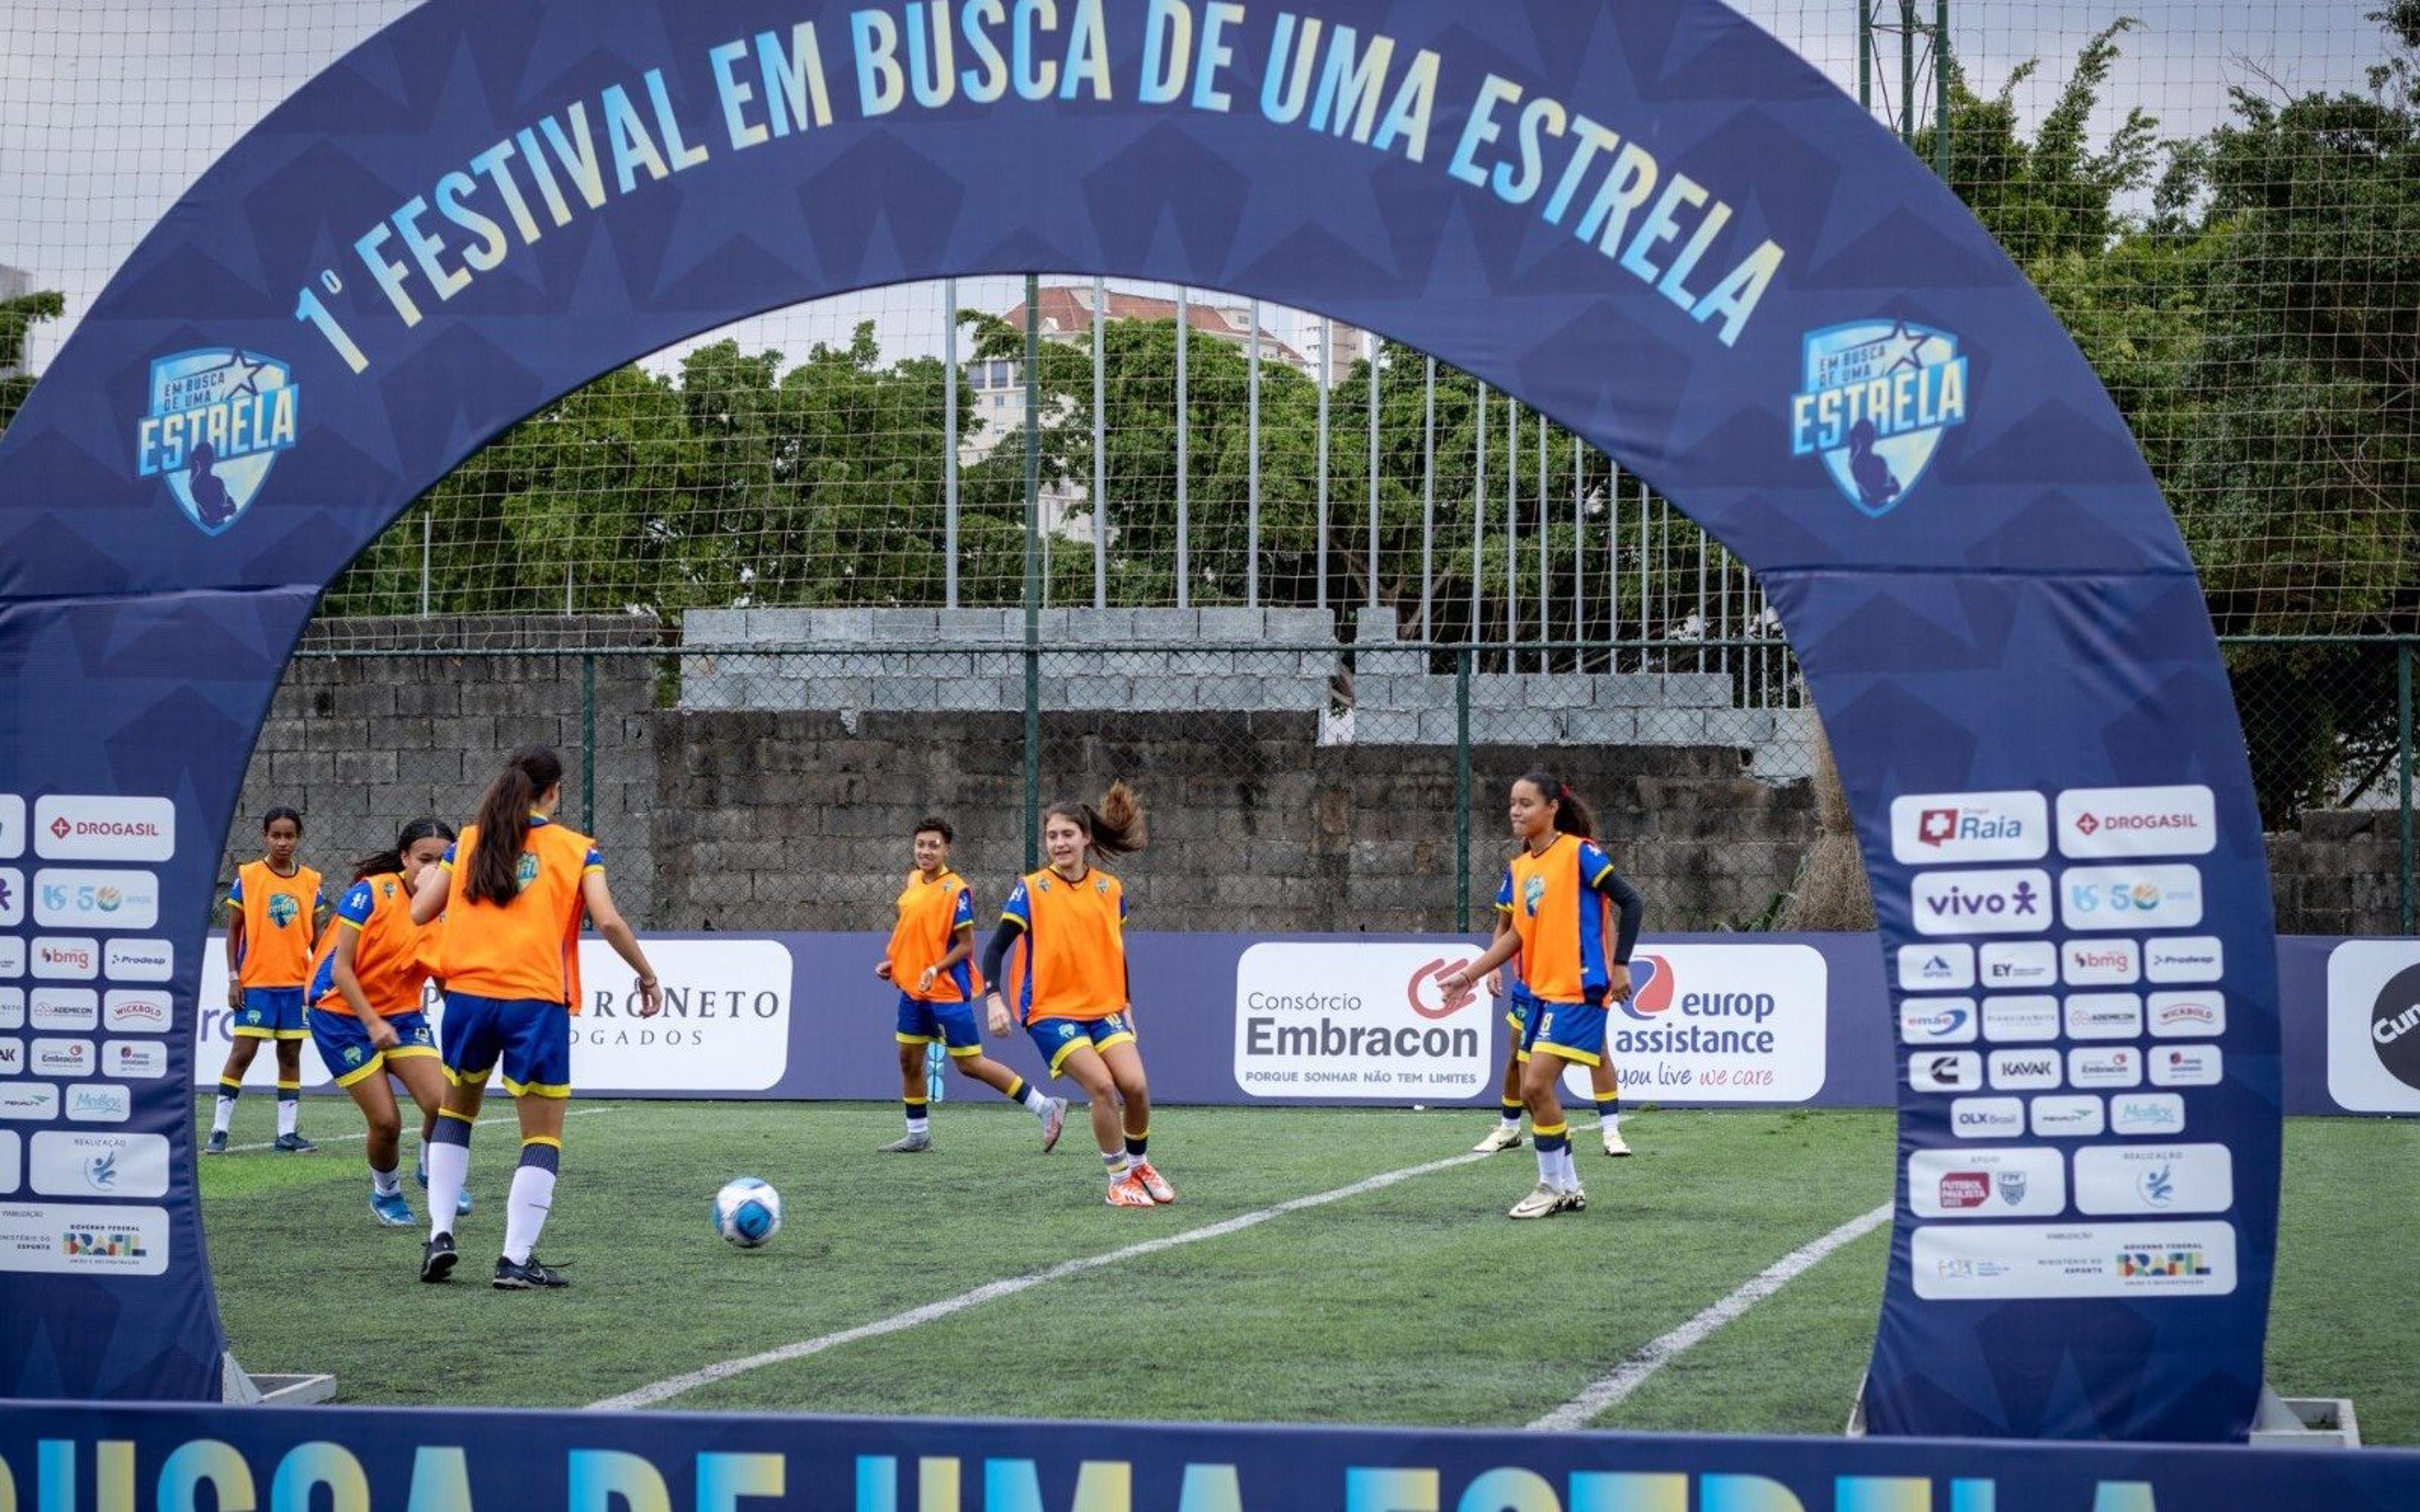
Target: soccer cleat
x=1127, y=1191
x=1054, y=1118
x=217, y=1145
x=1543, y=1201
x=914, y=1144
x=391, y=1209
x=462, y=1204
x=437, y=1259
x=294, y=1144
x=1575, y=1200
x=528, y=1275
x=1504, y=1137
x=1613, y=1143
x=1152, y=1182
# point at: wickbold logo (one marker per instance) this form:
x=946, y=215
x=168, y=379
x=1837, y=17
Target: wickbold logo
x=219, y=418
x=1879, y=395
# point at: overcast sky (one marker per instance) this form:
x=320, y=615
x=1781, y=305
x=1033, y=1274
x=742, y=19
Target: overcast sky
x=109, y=108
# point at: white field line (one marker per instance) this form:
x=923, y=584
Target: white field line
x=1634, y=1373
x=665, y=1390
x=364, y=1134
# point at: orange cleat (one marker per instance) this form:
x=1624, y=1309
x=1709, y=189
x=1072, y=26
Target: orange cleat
x=1152, y=1182
x=1128, y=1192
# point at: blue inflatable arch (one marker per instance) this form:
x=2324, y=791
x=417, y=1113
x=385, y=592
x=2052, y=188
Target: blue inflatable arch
x=1645, y=219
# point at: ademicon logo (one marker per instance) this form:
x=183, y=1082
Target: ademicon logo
x=2126, y=821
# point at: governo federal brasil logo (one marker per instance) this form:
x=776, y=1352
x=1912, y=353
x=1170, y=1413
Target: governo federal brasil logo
x=1878, y=394
x=219, y=417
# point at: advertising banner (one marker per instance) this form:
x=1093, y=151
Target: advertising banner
x=1355, y=1021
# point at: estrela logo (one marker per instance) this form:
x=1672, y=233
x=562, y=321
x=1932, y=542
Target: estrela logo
x=219, y=418
x=1879, y=396
x=283, y=909
x=1533, y=893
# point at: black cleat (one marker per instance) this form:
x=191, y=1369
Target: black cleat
x=528, y=1275
x=437, y=1259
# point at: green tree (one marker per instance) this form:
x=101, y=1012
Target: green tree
x=17, y=317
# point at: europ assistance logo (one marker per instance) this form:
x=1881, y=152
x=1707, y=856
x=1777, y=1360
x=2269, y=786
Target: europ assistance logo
x=219, y=417
x=1878, y=395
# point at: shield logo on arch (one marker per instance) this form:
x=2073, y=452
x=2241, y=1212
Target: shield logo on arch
x=1879, y=395
x=219, y=417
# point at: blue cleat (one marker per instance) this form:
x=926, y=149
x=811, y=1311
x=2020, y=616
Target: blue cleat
x=462, y=1204
x=392, y=1210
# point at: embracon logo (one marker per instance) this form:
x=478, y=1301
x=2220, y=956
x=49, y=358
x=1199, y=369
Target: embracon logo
x=1428, y=977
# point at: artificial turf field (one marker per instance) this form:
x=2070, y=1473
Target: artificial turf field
x=1414, y=1302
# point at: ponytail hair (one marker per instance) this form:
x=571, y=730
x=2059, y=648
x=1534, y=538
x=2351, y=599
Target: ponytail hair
x=1114, y=828
x=390, y=863
x=281, y=811
x=504, y=823
x=1572, y=815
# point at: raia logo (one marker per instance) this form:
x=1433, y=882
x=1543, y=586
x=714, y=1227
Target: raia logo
x=1879, y=394
x=219, y=417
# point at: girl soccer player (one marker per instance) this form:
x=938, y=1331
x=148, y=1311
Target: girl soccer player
x=1604, y=1081
x=1075, y=999
x=931, y=949
x=1557, y=892
x=275, y=911
x=366, y=998
x=513, y=889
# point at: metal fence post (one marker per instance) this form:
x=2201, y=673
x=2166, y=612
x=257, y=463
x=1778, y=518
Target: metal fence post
x=588, y=746
x=2403, y=768
x=1184, y=449
x=950, y=443
x=1462, y=658
x=1252, y=485
x=1032, y=573
x=1100, y=444
x=1327, y=375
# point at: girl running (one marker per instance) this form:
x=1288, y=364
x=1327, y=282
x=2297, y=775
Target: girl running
x=932, y=947
x=513, y=890
x=1558, y=892
x=275, y=910
x=1075, y=998
x=365, y=998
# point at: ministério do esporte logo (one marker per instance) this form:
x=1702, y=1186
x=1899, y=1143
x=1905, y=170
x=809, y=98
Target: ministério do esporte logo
x=1878, y=394
x=219, y=417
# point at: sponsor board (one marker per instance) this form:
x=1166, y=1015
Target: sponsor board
x=66, y=957
x=61, y=1057
x=2015, y=902
x=76, y=898
x=56, y=1239
x=2121, y=1179
x=2013, y=965
x=73, y=1163
x=2122, y=822
x=1936, y=968
x=2104, y=1016
x=2374, y=1026
x=1988, y=1118
x=2185, y=957
x=2101, y=963
x=28, y=1102
x=2147, y=1113
x=12, y=826
x=137, y=1011
x=2068, y=1116
x=2006, y=1262
x=1719, y=1024
x=1945, y=1071
x=95, y=1102
x=12, y=1058
x=2130, y=896
x=12, y=957
x=72, y=829
x=12, y=1008
x=12, y=1161
x=2025, y=1071
x=2020, y=1020
x=1937, y=1021
x=139, y=960
x=1359, y=1021
x=2186, y=1065
x=2117, y=1066
x=134, y=1059
x=2186, y=1015
x=12, y=897
x=63, y=1009
x=1987, y=1183
x=1933, y=827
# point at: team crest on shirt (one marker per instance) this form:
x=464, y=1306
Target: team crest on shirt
x=1045, y=884
x=283, y=910
x=1533, y=893
x=386, y=889
x=526, y=871
x=1102, y=886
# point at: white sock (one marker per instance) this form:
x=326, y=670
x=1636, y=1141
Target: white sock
x=1569, y=1171
x=1547, y=1165
x=1511, y=1123
x=385, y=1183
x=1035, y=1102
x=1115, y=1162
x=222, y=1116
x=917, y=1126
x=289, y=1113
x=1613, y=1123
x=525, y=1211
x=449, y=1167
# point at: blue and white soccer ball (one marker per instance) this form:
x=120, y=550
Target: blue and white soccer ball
x=747, y=1212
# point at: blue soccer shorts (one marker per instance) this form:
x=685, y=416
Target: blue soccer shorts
x=532, y=1037
x=270, y=1013
x=345, y=1045
x=1058, y=1039
x=952, y=1023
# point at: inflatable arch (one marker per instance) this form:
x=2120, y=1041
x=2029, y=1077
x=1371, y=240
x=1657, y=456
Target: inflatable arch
x=1645, y=219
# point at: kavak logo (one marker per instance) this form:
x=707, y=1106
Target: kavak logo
x=219, y=418
x=1879, y=394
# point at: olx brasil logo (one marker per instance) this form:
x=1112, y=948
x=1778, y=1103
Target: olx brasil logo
x=1879, y=394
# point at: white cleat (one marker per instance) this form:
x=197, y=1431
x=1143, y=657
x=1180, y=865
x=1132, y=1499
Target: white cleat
x=1575, y=1200
x=1504, y=1137
x=1543, y=1201
x=1613, y=1143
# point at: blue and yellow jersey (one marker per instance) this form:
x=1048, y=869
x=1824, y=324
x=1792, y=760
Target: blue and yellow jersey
x=392, y=957
x=528, y=949
x=1075, y=945
x=279, y=916
x=930, y=915
x=1565, y=925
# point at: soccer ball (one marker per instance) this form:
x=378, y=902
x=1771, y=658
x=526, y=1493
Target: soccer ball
x=747, y=1212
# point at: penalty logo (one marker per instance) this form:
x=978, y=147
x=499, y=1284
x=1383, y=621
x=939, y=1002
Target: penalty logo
x=1878, y=396
x=219, y=417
